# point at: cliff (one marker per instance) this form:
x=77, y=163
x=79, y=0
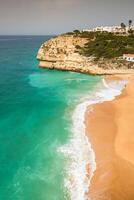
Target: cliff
x=63, y=53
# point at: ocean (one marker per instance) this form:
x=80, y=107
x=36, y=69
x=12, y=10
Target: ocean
x=38, y=122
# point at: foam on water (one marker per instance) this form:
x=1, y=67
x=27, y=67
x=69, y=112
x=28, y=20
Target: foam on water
x=79, y=150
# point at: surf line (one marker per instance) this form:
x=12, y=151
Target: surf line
x=79, y=150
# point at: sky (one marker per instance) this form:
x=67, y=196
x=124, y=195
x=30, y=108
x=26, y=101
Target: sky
x=44, y=17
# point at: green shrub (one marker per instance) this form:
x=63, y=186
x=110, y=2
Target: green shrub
x=107, y=45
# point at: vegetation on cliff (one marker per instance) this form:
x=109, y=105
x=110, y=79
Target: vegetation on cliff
x=106, y=45
x=88, y=51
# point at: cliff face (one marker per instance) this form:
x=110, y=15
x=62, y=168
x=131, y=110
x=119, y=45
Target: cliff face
x=61, y=53
x=61, y=48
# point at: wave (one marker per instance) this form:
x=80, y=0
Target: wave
x=79, y=150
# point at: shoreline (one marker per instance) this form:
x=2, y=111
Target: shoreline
x=83, y=165
x=91, y=70
x=63, y=52
x=108, y=130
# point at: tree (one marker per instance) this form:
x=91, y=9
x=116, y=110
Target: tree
x=123, y=26
x=129, y=23
x=76, y=31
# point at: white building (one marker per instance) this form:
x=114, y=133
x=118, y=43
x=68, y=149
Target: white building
x=128, y=57
x=103, y=28
x=110, y=29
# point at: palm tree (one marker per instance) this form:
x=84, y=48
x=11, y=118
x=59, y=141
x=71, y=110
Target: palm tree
x=123, y=26
x=130, y=23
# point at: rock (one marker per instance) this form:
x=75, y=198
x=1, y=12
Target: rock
x=60, y=53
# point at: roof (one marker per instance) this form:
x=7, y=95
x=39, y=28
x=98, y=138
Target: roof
x=129, y=55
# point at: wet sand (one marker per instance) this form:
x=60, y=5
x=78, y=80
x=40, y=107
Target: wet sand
x=110, y=128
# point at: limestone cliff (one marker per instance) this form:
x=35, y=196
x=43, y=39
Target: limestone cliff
x=61, y=53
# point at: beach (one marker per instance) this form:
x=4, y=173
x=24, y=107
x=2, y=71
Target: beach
x=109, y=128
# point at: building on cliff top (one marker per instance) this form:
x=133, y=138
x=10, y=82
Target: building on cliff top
x=110, y=29
x=128, y=57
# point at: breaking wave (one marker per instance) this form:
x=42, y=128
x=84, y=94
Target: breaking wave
x=80, y=156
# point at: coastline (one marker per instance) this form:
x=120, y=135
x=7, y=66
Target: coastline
x=109, y=128
x=75, y=66
x=70, y=53
x=82, y=165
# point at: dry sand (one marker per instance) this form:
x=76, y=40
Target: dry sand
x=110, y=128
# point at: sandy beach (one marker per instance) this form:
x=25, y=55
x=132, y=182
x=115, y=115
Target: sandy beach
x=110, y=128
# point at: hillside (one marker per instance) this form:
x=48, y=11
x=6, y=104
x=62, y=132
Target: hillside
x=107, y=45
x=88, y=52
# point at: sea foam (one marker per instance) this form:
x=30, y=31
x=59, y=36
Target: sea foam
x=79, y=150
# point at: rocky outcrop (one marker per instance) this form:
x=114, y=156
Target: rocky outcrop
x=61, y=53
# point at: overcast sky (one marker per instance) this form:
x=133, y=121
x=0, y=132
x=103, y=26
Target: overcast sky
x=57, y=16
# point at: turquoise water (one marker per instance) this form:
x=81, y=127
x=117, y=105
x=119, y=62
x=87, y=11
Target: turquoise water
x=36, y=106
